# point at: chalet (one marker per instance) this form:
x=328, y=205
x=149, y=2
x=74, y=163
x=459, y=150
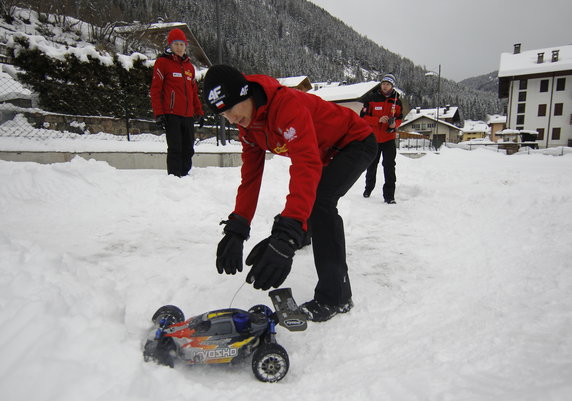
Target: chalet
x=424, y=121
x=538, y=86
x=474, y=130
x=347, y=95
x=447, y=114
x=301, y=83
x=496, y=122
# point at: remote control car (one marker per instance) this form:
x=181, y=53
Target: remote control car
x=227, y=336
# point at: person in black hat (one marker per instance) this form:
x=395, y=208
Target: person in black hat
x=382, y=111
x=329, y=147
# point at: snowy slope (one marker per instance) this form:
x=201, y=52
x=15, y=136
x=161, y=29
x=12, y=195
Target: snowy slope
x=462, y=289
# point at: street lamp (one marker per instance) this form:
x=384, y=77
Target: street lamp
x=219, y=51
x=438, y=74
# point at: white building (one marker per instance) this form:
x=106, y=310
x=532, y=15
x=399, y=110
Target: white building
x=538, y=85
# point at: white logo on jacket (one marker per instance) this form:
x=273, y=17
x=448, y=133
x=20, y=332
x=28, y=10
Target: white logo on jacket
x=290, y=134
x=177, y=75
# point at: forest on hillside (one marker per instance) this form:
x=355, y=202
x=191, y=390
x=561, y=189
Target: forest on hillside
x=280, y=38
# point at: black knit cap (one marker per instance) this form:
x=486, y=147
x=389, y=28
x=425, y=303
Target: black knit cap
x=224, y=86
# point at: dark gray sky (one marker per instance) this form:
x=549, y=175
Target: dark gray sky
x=465, y=36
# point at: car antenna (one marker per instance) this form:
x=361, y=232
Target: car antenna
x=236, y=293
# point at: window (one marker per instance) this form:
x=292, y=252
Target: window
x=541, y=110
x=540, y=136
x=522, y=96
x=561, y=84
x=521, y=107
x=555, y=134
x=522, y=84
x=544, y=85
x=558, y=109
x=520, y=119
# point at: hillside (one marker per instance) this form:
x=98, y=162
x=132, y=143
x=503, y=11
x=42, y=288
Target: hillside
x=282, y=38
x=486, y=83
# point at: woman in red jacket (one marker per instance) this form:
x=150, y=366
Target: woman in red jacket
x=329, y=147
x=382, y=111
x=175, y=101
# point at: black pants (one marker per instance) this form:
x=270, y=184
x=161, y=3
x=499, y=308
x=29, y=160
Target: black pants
x=328, y=238
x=180, y=144
x=389, y=151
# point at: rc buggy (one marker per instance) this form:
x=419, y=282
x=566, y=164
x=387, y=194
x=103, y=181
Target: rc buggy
x=227, y=336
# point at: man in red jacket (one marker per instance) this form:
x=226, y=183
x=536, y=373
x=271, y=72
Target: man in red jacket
x=382, y=111
x=175, y=101
x=329, y=147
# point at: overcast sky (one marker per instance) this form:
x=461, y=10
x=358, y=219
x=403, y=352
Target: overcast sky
x=465, y=36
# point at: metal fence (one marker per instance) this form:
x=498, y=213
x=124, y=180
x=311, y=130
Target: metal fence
x=22, y=120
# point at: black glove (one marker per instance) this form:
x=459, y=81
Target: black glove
x=229, y=250
x=390, y=121
x=161, y=121
x=201, y=121
x=271, y=259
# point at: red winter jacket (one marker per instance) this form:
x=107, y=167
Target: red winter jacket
x=174, y=87
x=300, y=126
x=377, y=105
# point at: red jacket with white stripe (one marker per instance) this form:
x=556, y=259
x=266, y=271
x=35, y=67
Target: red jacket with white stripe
x=174, y=88
x=377, y=105
x=300, y=126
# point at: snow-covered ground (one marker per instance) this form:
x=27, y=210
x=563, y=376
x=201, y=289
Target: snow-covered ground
x=462, y=289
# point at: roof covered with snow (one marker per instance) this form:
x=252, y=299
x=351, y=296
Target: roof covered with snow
x=444, y=113
x=419, y=116
x=345, y=92
x=496, y=119
x=526, y=62
x=292, y=82
x=475, y=126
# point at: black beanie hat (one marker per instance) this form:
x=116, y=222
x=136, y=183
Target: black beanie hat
x=224, y=86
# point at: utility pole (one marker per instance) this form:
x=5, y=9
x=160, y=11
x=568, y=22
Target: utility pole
x=219, y=60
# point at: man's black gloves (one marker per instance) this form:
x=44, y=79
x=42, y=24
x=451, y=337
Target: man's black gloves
x=271, y=259
x=201, y=121
x=161, y=121
x=390, y=121
x=229, y=250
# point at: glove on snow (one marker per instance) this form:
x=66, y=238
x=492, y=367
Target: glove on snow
x=271, y=259
x=229, y=250
x=161, y=121
x=201, y=121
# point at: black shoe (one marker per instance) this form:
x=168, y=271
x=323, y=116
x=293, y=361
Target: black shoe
x=366, y=193
x=390, y=201
x=317, y=312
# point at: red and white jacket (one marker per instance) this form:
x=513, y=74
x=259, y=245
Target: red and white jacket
x=174, y=87
x=377, y=105
x=298, y=125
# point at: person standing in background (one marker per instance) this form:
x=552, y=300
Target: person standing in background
x=382, y=110
x=175, y=102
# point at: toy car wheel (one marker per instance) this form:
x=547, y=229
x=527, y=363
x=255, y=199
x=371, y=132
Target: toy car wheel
x=270, y=363
x=170, y=313
x=261, y=309
x=165, y=352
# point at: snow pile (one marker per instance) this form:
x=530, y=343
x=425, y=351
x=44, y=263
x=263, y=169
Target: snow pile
x=462, y=289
